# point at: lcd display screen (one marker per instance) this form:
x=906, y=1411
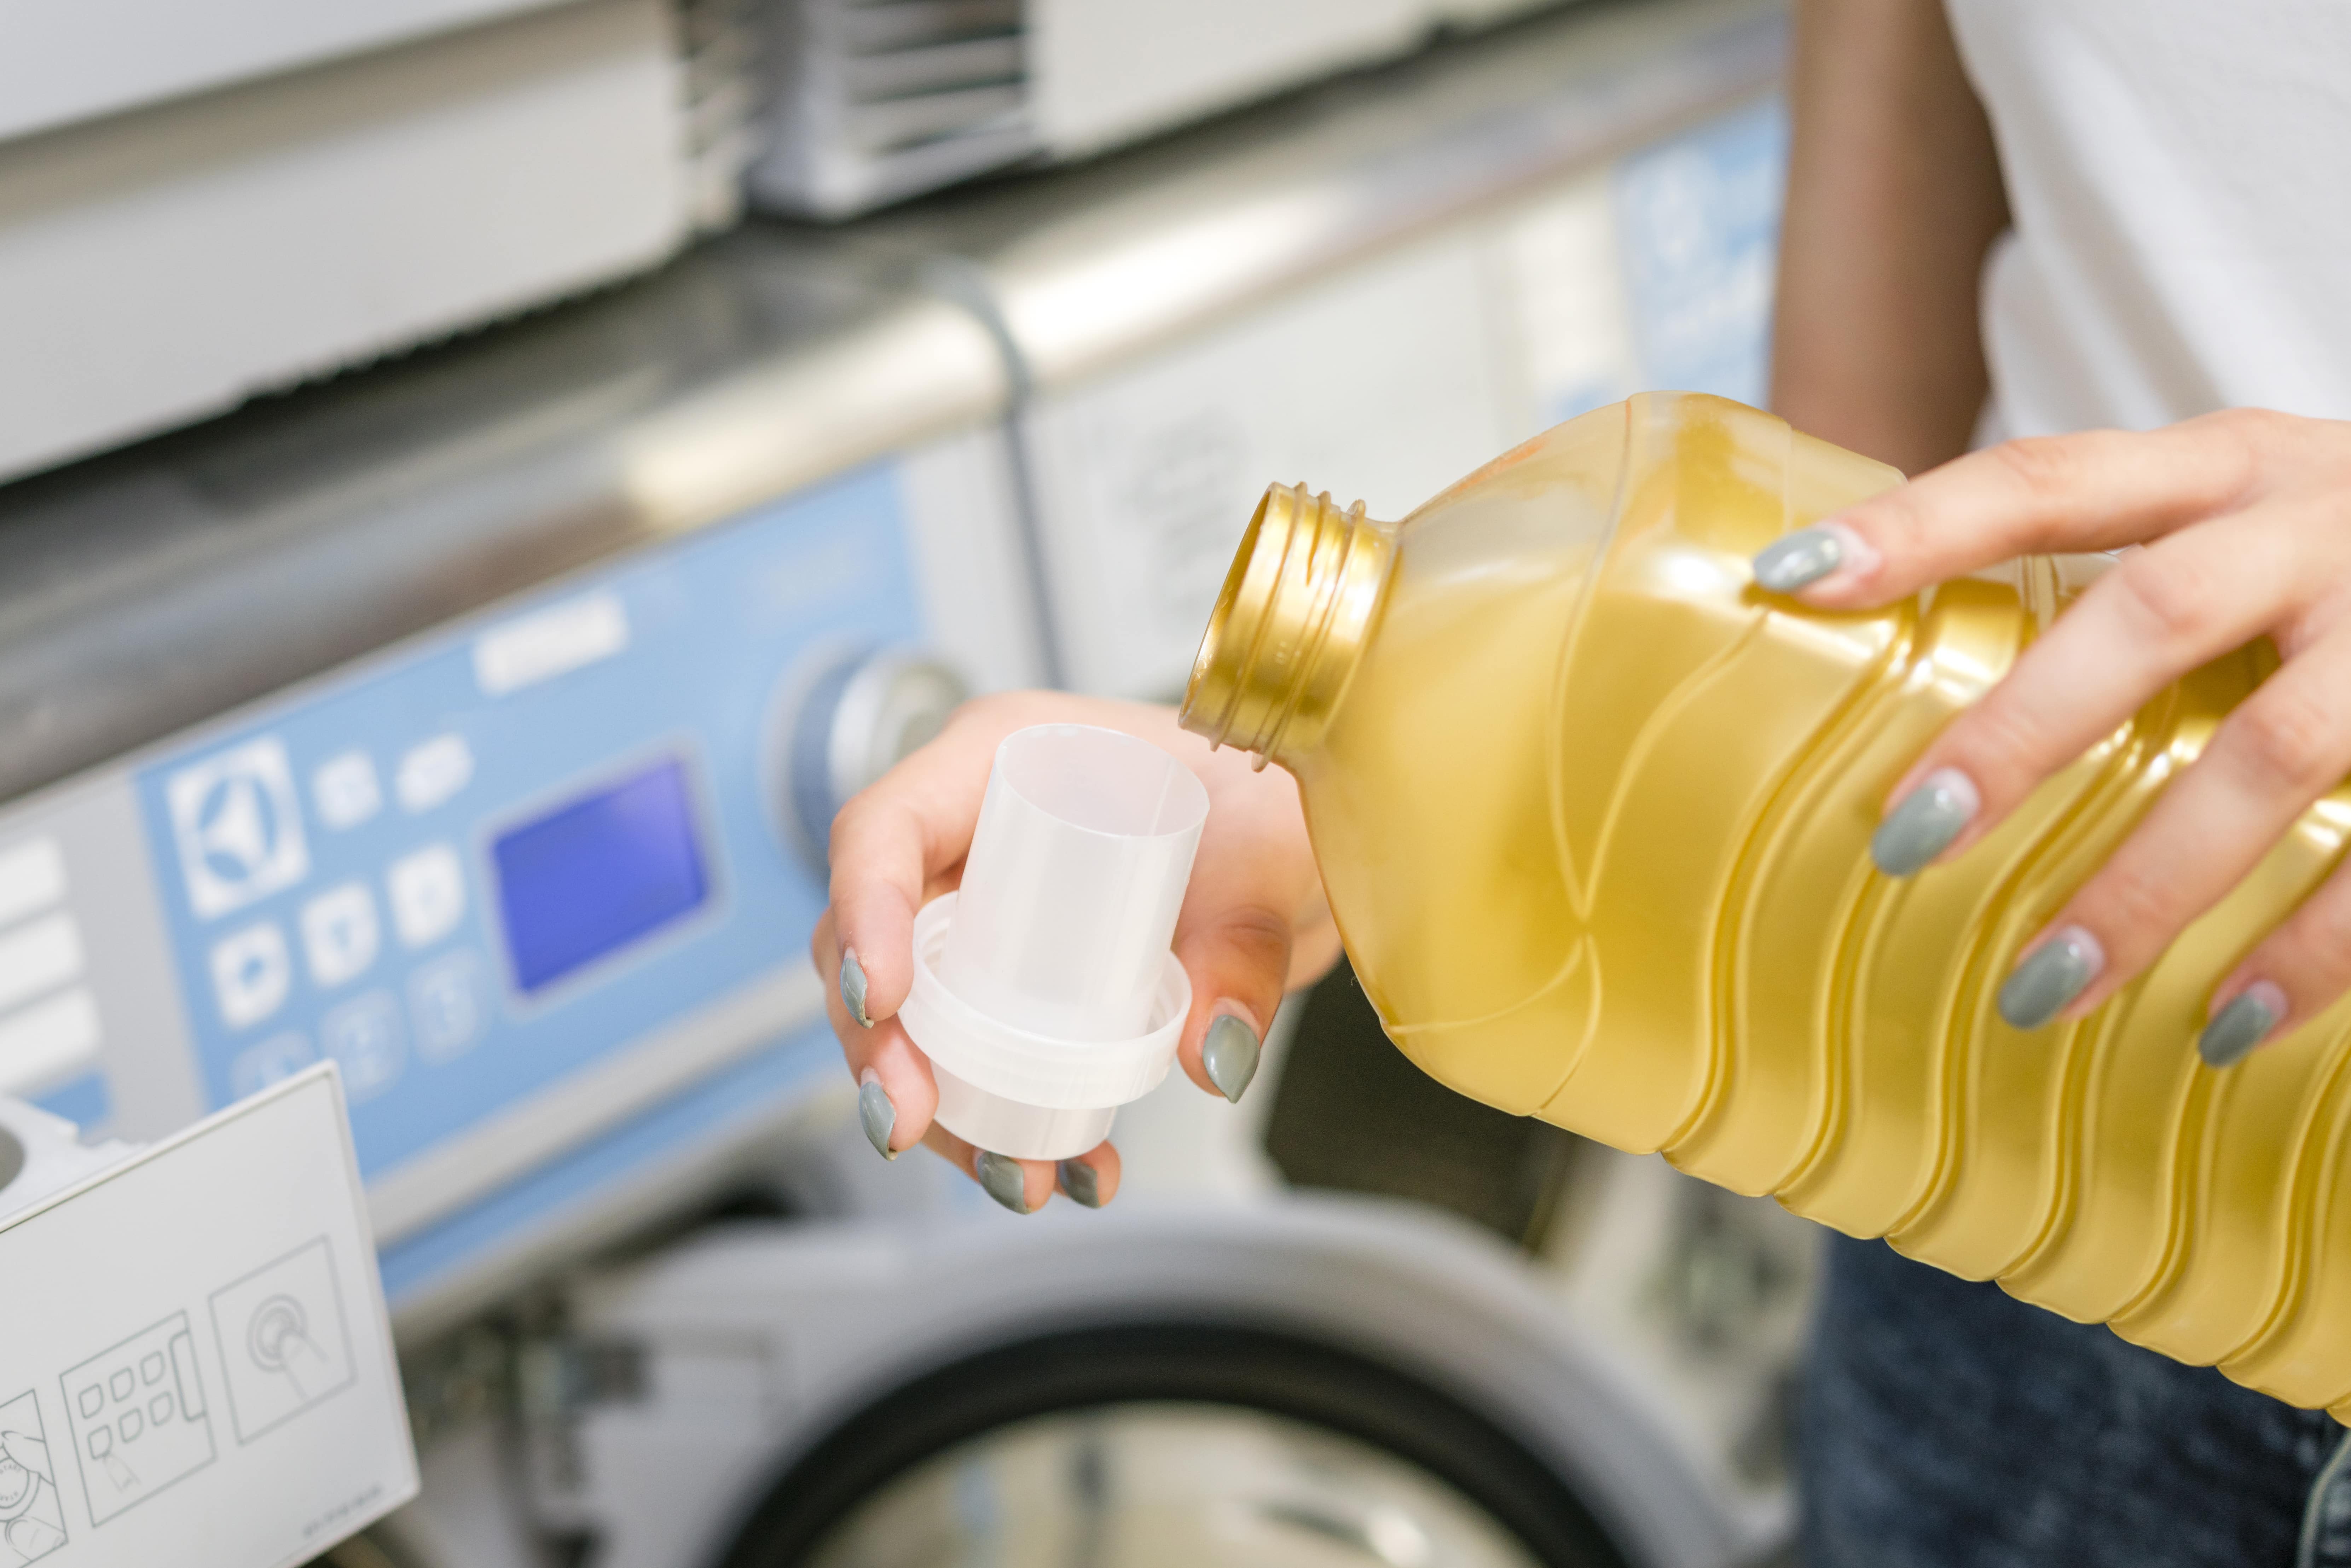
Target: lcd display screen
x=596, y=874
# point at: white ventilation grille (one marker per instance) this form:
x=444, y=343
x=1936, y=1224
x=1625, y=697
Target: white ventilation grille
x=718, y=50
x=872, y=100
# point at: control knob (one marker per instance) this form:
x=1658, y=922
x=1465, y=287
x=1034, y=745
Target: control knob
x=845, y=719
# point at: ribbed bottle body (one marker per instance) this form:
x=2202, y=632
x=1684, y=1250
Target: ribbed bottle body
x=1594, y=815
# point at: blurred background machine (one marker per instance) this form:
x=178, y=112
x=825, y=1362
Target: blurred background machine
x=474, y=721
x=429, y=726
x=203, y=202
x=868, y=103
x=1373, y=287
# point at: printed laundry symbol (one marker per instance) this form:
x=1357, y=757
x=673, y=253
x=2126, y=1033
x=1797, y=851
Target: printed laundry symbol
x=282, y=1339
x=138, y=1417
x=239, y=826
x=279, y=1340
x=32, y=1519
x=118, y=1468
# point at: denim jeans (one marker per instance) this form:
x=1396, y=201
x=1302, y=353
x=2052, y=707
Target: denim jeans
x=1946, y=1425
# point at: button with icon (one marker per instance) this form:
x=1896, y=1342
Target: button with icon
x=428, y=893
x=444, y=1002
x=364, y=1037
x=238, y=825
x=339, y=934
x=257, y=1067
x=433, y=771
x=251, y=973
x=345, y=790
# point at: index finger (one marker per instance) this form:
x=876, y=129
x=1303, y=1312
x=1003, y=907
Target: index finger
x=912, y=827
x=2097, y=490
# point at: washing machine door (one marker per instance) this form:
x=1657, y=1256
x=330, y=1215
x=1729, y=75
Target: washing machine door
x=1306, y=1379
x=1169, y=1445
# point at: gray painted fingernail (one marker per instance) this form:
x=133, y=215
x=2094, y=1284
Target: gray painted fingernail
x=879, y=1116
x=1003, y=1178
x=2243, y=1024
x=853, y=987
x=1081, y=1181
x=2051, y=975
x=1229, y=1054
x=1799, y=561
x=1926, y=822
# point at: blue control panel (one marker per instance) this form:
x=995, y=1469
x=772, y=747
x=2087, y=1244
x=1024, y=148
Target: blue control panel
x=484, y=863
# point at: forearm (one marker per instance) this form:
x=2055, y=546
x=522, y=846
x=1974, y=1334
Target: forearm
x=1894, y=200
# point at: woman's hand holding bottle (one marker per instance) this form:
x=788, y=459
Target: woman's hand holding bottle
x=2244, y=523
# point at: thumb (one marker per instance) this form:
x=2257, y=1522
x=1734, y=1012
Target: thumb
x=1238, y=958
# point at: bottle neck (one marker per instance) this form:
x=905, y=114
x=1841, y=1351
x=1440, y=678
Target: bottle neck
x=1290, y=624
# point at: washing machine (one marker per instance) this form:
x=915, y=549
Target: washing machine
x=213, y=202
x=464, y=723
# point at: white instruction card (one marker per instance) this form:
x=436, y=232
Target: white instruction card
x=196, y=1368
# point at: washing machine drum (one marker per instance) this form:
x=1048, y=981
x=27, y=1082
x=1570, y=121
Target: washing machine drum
x=1170, y=1446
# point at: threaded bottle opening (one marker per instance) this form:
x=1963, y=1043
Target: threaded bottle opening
x=1290, y=624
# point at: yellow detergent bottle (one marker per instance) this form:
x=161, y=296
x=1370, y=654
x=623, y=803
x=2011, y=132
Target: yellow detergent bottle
x=1593, y=814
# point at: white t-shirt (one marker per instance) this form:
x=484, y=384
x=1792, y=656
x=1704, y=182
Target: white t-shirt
x=2179, y=174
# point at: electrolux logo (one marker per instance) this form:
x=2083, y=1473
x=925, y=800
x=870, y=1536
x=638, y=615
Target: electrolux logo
x=239, y=826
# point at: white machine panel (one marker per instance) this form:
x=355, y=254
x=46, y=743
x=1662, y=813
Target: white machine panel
x=190, y=254
x=1102, y=74
x=196, y=1364
x=1388, y=380
x=1380, y=382
x=61, y=63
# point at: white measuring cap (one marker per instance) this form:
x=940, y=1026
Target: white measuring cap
x=1045, y=993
